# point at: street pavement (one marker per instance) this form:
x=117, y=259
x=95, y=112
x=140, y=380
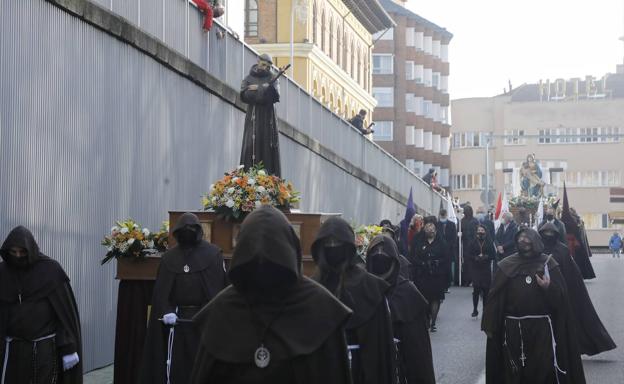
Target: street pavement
x=459, y=345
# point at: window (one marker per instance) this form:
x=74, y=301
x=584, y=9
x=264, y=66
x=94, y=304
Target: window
x=428, y=80
x=469, y=139
x=383, y=131
x=331, y=38
x=314, y=22
x=609, y=178
x=410, y=103
x=427, y=108
x=436, y=144
x=428, y=139
x=428, y=44
x=445, y=144
x=384, y=96
x=382, y=64
x=419, y=73
x=436, y=48
x=409, y=70
x=409, y=37
x=419, y=103
x=469, y=181
x=323, y=31
x=419, y=40
x=515, y=137
x=435, y=80
x=251, y=18
x=409, y=135
x=444, y=115
x=384, y=35
x=419, y=138
x=444, y=80
x=444, y=53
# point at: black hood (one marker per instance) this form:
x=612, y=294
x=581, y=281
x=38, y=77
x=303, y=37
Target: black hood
x=383, y=246
x=340, y=230
x=265, y=236
x=548, y=226
x=21, y=237
x=468, y=212
x=189, y=219
x=538, y=244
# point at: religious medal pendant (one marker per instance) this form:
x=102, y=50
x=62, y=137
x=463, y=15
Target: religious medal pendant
x=528, y=280
x=262, y=357
x=523, y=359
x=186, y=269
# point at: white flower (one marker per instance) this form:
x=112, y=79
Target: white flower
x=258, y=204
x=261, y=173
x=150, y=244
x=261, y=189
x=231, y=190
x=115, y=229
x=124, y=230
x=136, y=226
x=130, y=241
x=251, y=181
x=212, y=186
x=110, y=249
x=240, y=166
x=229, y=203
x=234, y=180
x=146, y=232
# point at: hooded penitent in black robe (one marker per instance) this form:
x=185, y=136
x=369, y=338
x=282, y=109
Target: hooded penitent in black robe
x=189, y=276
x=36, y=301
x=370, y=328
x=520, y=351
x=592, y=336
x=261, y=136
x=409, y=311
x=271, y=304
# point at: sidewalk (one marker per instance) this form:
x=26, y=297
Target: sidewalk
x=99, y=376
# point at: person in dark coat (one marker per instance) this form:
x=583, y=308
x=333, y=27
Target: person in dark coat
x=448, y=230
x=409, y=311
x=40, y=340
x=358, y=122
x=469, y=232
x=189, y=276
x=261, y=135
x=505, y=236
x=484, y=219
x=528, y=320
x=369, y=331
x=431, y=257
x=481, y=253
x=272, y=325
x=593, y=337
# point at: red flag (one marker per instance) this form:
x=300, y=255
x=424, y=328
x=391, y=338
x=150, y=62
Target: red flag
x=499, y=206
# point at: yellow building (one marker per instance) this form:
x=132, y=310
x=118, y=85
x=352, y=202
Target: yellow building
x=331, y=47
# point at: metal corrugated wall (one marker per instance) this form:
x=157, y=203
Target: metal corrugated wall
x=92, y=130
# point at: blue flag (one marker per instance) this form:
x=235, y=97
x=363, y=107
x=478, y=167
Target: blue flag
x=410, y=211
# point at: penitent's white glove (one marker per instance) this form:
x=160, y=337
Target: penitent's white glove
x=70, y=361
x=170, y=318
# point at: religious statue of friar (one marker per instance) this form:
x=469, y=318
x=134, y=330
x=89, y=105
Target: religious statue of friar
x=531, y=177
x=260, y=90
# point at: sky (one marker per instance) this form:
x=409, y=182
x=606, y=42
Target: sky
x=525, y=40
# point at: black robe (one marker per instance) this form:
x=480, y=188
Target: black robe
x=187, y=279
x=577, y=243
x=410, y=311
x=515, y=293
x=480, y=267
x=431, y=261
x=301, y=325
x=592, y=336
x=370, y=327
x=35, y=302
x=261, y=136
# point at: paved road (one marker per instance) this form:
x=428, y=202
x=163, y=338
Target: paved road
x=459, y=345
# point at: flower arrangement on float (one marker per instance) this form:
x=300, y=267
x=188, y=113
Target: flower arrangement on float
x=363, y=236
x=241, y=191
x=129, y=239
x=528, y=202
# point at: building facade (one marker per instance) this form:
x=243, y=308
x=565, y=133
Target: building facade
x=574, y=127
x=410, y=84
x=331, y=48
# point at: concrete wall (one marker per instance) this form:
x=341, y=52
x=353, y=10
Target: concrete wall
x=100, y=121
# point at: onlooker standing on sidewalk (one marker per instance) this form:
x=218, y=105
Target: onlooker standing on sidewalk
x=615, y=244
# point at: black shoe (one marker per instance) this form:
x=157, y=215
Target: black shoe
x=475, y=313
x=433, y=328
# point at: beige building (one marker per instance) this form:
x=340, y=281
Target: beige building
x=574, y=127
x=331, y=50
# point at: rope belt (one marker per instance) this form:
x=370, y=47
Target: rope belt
x=552, y=338
x=8, y=341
